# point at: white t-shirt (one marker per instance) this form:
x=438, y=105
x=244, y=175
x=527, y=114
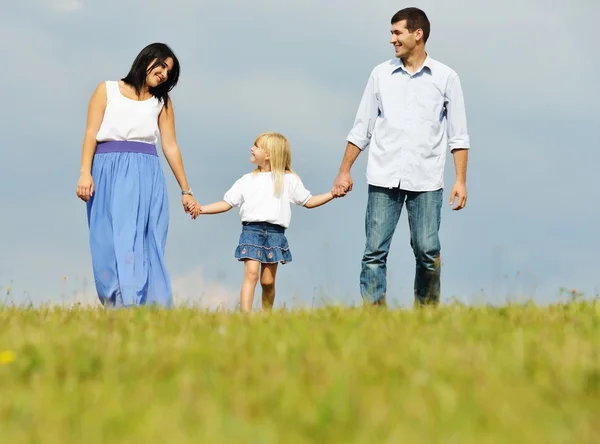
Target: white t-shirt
x=128, y=119
x=254, y=194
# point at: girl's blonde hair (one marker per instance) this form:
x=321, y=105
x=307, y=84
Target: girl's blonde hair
x=280, y=157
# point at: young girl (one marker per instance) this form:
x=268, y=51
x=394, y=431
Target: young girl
x=264, y=198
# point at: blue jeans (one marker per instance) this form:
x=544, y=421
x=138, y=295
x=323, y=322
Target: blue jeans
x=383, y=212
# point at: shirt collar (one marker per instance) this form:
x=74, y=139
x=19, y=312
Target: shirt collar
x=397, y=63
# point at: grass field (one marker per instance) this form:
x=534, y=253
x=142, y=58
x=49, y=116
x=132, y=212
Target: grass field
x=519, y=374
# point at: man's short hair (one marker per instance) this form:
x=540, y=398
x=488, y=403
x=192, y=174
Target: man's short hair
x=415, y=19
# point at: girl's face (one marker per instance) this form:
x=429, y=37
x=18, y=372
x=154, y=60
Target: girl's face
x=259, y=156
x=160, y=74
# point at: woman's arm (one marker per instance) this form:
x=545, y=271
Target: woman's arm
x=166, y=125
x=95, y=114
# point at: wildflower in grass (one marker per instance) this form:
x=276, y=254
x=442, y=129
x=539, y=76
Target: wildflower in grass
x=6, y=357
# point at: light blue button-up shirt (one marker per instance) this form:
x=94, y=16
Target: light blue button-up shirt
x=409, y=122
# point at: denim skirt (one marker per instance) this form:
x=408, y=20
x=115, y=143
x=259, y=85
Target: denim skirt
x=263, y=242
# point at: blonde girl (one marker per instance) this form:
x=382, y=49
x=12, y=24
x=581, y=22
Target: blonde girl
x=264, y=197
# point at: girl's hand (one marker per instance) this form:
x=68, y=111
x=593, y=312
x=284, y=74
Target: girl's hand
x=85, y=187
x=196, y=211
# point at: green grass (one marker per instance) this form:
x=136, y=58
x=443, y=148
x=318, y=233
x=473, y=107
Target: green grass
x=519, y=374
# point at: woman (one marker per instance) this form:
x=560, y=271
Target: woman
x=122, y=182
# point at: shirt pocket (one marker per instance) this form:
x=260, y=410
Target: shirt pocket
x=429, y=103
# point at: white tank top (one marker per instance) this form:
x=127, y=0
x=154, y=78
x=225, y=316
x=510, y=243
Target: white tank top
x=128, y=119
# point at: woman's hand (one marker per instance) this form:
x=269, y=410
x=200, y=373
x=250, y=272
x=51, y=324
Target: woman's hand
x=85, y=187
x=189, y=203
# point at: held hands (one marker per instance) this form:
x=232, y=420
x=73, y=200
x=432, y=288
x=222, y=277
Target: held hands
x=193, y=208
x=196, y=211
x=189, y=204
x=342, y=185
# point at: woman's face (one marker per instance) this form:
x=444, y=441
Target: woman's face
x=160, y=73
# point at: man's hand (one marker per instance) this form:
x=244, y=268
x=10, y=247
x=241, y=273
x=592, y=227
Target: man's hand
x=459, y=190
x=342, y=185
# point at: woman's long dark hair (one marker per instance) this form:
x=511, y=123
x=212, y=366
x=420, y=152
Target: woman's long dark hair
x=157, y=52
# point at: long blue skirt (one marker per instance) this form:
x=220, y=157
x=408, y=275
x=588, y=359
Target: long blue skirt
x=128, y=219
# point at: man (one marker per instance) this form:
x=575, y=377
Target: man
x=411, y=112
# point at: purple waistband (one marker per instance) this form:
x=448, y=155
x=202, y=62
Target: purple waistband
x=125, y=146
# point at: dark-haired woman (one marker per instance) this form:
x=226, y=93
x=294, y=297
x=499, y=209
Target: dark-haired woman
x=123, y=184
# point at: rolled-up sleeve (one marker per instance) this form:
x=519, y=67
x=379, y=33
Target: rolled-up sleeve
x=458, y=135
x=364, y=121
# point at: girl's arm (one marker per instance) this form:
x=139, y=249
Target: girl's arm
x=213, y=208
x=95, y=114
x=166, y=124
x=234, y=197
x=317, y=201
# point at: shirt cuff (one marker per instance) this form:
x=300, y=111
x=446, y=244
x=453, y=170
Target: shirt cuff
x=360, y=142
x=307, y=199
x=228, y=200
x=459, y=144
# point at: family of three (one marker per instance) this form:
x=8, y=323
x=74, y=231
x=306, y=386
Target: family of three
x=411, y=113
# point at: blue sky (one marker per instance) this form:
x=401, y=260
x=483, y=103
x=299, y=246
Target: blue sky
x=529, y=79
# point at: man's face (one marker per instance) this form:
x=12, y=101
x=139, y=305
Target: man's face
x=404, y=41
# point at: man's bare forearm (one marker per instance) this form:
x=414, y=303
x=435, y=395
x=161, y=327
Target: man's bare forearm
x=350, y=156
x=461, y=158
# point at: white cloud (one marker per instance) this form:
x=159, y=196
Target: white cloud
x=193, y=289
x=86, y=299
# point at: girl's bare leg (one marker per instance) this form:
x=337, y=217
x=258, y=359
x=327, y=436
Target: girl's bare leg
x=267, y=281
x=251, y=269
